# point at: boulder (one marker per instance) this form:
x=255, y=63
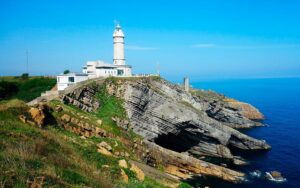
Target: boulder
x=58, y=108
x=139, y=173
x=66, y=118
x=276, y=174
x=37, y=115
x=105, y=145
x=124, y=176
x=23, y=118
x=104, y=151
x=123, y=163
x=99, y=121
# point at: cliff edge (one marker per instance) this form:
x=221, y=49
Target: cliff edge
x=181, y=126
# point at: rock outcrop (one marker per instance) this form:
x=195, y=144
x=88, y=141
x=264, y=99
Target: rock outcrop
x=165, y=114
x=38, y=114
x=179, y=126
x=184, y=166
x=83, y=98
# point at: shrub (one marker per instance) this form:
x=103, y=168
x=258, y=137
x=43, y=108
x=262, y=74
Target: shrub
x=7, y=89
x=25, y=76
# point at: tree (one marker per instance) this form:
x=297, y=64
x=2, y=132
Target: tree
x=25, y=76
x=66, y=71
x=7, y=89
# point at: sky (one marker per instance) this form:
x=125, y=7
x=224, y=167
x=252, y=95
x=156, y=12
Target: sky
x=202, y=39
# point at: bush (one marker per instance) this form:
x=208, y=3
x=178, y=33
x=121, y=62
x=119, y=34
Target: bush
x=73, y=177
x=7, y=89
x=25, y=76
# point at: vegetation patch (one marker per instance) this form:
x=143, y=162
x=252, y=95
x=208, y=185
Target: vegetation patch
x=24, y=89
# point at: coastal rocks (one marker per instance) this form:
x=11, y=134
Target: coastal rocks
x=82, y=98
x=233, y=114
x=247, y=110
x=184, y=166
x=275, y=176
x=239, y=161
x=180, y=127
x=165, y=114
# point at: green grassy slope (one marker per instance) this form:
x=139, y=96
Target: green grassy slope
x=24, y=89
x=60, y=157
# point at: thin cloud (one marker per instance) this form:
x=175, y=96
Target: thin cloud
x=274, y=46
x=205, y=45
x=271, y=46
x=135, y=47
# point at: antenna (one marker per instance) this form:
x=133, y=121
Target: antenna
x=116, y=22
x=27, y=61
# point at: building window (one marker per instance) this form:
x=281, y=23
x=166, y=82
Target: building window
x=120, y=72
x=71, y=79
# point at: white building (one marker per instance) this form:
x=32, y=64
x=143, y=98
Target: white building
x=119, y=55
x=119, y=68
x=66, y=80
x=95, y=69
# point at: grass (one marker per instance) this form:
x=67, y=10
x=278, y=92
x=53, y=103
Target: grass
x=111, y=106
x=24, y=89
x=27, y=152
x=60, y=156
x=208, y=95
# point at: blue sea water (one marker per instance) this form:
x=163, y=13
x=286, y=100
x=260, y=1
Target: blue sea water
x=279, y=100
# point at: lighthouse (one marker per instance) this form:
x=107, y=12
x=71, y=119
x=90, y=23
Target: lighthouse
x=119, y=55
x=118, y=38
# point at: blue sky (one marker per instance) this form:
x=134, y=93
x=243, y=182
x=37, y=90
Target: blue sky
x=202, y=39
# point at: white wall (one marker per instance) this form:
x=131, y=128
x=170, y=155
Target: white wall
x=80, y=78
x=106, y=72
x=119, y=56
x=63, y=81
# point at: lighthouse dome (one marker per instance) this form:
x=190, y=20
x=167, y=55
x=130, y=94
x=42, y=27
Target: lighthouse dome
x=118, y=31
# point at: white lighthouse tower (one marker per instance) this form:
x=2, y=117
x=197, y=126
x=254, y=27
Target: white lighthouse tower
x=119, y=56
x=118, y=36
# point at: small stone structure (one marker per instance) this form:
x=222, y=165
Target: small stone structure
x=186, y=84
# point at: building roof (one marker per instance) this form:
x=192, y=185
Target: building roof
x=127, y=66
x=118, y=32
x=74, y=74
x=101, y=64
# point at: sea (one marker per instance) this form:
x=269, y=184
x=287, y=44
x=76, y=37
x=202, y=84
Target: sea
x=279, y=100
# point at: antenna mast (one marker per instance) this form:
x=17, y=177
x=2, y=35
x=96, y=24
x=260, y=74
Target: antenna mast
x=27, y=61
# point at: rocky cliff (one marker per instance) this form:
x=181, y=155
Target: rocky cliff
x=195, y=124
x=165, y=114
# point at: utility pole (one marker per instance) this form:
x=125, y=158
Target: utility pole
x=27, y=61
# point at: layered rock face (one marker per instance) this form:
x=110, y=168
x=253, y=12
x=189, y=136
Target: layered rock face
x=83, y=98
x=165, y=114
x=180, y=126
